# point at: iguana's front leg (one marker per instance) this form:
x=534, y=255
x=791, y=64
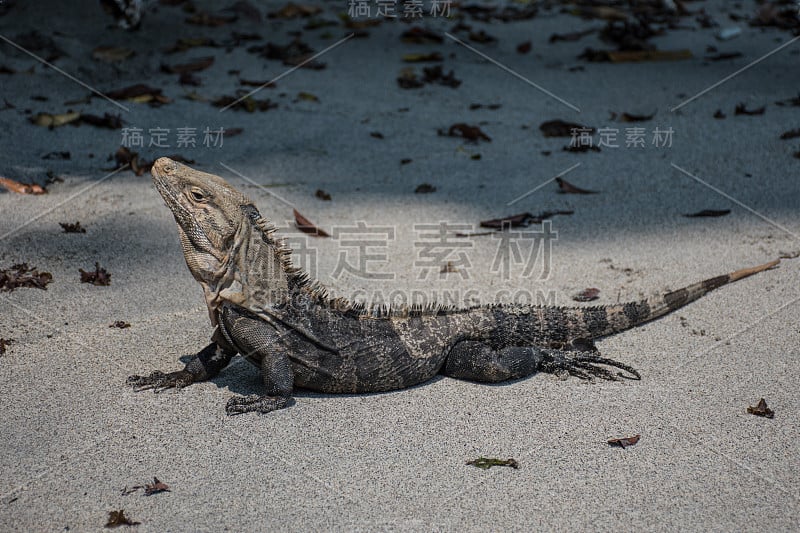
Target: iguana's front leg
x=201, y=367
x=256, y=341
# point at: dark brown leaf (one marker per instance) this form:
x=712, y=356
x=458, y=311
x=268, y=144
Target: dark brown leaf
x=424, y=188
x=741, y=109
x=72, y=227
x=792, y=102
x=423, y=58
x=406, y=161
x=292, y=11
x=155, y=487
x=473, y=107
x=305, y=225
x=628, y=56
x=436, y=74
x=631, y=117
x=20, y=275
x=587, y=295
x=99, y=277
x=566, y=187
x=376, y=134
x=761, y=409
x=247, y=103
x=625, y=441
x=139, y=93
x=560, y=128
x=709, y=213
x=257, y=83
x=124, y=156
x=481, y=37
x=120, y=324
x=791, y=134
x=21, y=188
x=486, y=463
x=195, y=65
x=322, y=195
x=417, y=35
x=521, y=219
x=524, y=48
x=118, y=518
x=112, y=122
x=724, y=56
x=465, y=131
x=718, y=114
x=58, y=155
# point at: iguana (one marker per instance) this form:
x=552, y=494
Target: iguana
x=283, y=322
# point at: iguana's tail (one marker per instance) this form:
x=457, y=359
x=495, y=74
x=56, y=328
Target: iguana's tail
x=602, y=321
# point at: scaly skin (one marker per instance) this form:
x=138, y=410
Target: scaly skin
x=282, y=322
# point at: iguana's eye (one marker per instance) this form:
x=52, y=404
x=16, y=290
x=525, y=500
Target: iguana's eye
x=197, y=194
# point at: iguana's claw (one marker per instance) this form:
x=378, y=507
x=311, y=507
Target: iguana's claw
x=159, y=381
x=254, y=403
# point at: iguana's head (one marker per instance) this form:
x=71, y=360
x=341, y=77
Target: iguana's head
x=208, y=212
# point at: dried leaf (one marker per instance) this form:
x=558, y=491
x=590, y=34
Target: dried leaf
x=255, y=83
x=791, y=134
x=376, y=134
x=233, y=132
x=761, y=409
x=417, y=35
x=465, y=131
x=118, y=518
x=406, y=161
x=58, y=155
x=408, y=79
x=112, y=122
x=292, y=11
x=140, y=94
x=486, y=463
x=741, y=109
x=72, y=227
x=99, y=277
x=481, y=37
x=709, y=213
x=21, y=188
x=524, y=48
x=20, y=275
x=422, y=58
x=473, y=107
x=560, y=128
x=628, y=56
x=111, y=54
x=155, y=487
x=718, y=114
x=587, y=295
x=195, y=65
x=424, y=188
x=448, y=268
x=436, y=74
x=120, y=324
x=724, y=56
x=4, y=345
x=566, y=187
x=521, y=219
x=247, y=103
x=308, y=97
x=305, y=225
x=53, y=121
x=632, y=117
x=322, y=195
x=125, y=157
x=792, y=102
x=625, y=441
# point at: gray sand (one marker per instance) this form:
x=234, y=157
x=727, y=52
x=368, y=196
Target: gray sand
x=73, y=435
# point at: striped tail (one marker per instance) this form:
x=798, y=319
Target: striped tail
x=626, y=316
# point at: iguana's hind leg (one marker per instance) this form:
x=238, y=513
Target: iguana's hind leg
x=205, y=365
x=255, y=340
x=477, y=361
